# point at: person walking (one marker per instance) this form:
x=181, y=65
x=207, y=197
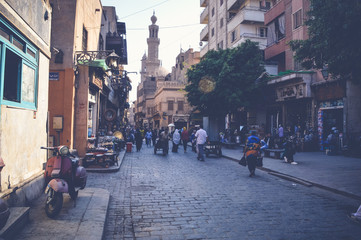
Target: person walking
x=193, y=140
x=252, y=152
x=148, y=138
x=154, y=136
x=138, y=140
x=202, y=137
x=280, y=133
x=290, y=150
x=185, y=138
x=176, y=141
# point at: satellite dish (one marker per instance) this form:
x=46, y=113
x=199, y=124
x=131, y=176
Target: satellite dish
x=200, y=44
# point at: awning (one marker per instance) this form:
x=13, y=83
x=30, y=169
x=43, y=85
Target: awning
x=100, y=63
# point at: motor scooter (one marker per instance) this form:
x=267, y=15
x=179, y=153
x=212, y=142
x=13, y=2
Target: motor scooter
x=62, y=175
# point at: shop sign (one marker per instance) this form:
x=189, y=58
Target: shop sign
x=332, y=104
x=54, y=76
x=98, y=82
x=291, y=92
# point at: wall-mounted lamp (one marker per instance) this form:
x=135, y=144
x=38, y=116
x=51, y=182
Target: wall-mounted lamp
x=112, y=60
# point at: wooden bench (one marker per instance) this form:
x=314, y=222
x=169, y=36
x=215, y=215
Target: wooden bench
x=276, y=153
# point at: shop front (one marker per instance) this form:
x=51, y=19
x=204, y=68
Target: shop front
x=293, y=105
x=330, y=112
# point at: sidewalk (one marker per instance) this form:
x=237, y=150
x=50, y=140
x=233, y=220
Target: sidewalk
x=85, y=221
x=338, y=174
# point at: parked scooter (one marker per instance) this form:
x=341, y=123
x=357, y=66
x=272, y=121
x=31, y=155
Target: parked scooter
x=62, y=175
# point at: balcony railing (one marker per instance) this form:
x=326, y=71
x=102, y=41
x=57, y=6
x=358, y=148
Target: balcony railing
x=203, y=3
x=204, y=50
x=233, y=5
x=261, y=39
x=204, y=16
x=252, y=14
x=204, y=33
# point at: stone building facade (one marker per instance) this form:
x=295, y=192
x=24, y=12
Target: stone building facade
x=25, y=29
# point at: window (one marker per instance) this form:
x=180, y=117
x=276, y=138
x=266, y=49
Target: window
x=18, y=44
x=221, y=23
x=4, y=34
x=212, y=12
x=220, y=45
x=265, y=5
x=11, y=78
x=233, y=36
x=170, y=105
x=297, y=19
x=263, y=32
x=221, y=2
x=85, y=40
x=297, y=65
x=180, y=105
x=20, y=68
x=212, y=32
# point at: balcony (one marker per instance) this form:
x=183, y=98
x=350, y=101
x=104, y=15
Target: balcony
x=275, y=49
x=204, y=50
x=262, y=40
x=204, y=16
x=234, y=5
x=203, y=3
x=204, y=34
x=274, y=12
x=252, y=15
x=119, y=44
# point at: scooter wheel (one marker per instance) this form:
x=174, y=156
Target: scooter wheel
x=54, y=203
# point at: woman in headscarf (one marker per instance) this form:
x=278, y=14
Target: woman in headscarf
x=138, y=140
x=185, y=138
x=176, y=141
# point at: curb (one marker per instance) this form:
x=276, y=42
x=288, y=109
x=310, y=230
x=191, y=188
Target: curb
x=92, y=225
x=18, y=218
x=302, y=181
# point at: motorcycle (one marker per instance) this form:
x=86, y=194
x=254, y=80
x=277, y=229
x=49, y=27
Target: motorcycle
x=63, y=174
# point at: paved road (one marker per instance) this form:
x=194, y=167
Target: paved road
x=178, y=197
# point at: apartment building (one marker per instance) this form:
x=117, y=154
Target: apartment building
x=305, y=98
x=229, y=23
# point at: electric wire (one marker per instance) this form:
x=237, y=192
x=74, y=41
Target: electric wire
x=144, y=9
x=168, y=27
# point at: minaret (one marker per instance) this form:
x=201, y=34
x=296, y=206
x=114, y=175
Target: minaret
x=153, y=41
x=143, y=71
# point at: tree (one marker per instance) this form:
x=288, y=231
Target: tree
x=334, y=29
x=224, y=80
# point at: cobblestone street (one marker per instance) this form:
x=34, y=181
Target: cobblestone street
x=178, y=197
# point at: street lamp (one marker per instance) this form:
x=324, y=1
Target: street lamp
x=112, y=60
x=324, y=72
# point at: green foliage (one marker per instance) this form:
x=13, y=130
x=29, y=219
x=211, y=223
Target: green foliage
x=234, y=72
x=334, y=28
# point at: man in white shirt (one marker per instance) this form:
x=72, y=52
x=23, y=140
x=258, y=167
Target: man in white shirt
x=201, y=136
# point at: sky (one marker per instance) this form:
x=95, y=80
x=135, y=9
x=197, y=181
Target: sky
x=179, y=27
